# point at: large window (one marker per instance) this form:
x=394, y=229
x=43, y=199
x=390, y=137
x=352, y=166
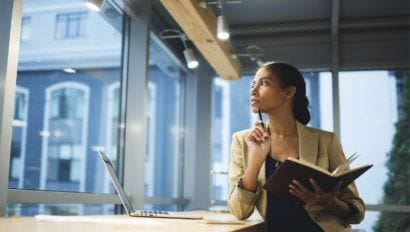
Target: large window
x=368, y=111
x=163, y=168
x=73, y=108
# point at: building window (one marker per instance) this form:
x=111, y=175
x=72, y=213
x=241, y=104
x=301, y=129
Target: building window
x=18, y=143
x=25, y=29
x=70, y=25
x=66, y=103
x=65, y=137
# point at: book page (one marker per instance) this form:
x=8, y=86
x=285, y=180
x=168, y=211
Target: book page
x=345, y=166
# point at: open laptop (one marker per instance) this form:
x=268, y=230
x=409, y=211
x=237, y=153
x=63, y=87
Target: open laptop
x=126, y=203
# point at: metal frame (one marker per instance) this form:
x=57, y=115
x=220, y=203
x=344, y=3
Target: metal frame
x=136, y=106
x=369, y=207
x=198, y=137
x=11, y=12
x=56, y=197
x=335, y=65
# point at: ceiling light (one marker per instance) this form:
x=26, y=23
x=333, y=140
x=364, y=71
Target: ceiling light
x=222, y=30
x=94, y=5
x=190, y=58
x=188, y=52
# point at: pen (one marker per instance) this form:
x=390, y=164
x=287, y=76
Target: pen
x=260, y=117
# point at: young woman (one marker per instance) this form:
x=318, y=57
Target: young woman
x=279, y=91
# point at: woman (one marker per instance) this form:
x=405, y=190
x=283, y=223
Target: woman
x=279, y=91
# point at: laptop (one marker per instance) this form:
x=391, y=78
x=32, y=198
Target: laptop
x=127, y=205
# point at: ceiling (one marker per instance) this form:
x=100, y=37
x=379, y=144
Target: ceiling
x=369, y=34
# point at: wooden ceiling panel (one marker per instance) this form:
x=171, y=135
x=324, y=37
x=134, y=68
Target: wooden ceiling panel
x=200, y=26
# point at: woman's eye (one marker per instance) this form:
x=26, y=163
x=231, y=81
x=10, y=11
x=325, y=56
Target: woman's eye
x=264, y=82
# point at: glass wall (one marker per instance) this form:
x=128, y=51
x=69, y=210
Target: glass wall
x=231, y=113
x=67, y=102
x=369, y=105
x=163, y=164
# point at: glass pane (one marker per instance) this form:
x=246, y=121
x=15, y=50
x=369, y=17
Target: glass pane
x=368, y=111
x=67, y=102
x=163, y=168
x=24, y=209
x=231, y=112
x=320, y=94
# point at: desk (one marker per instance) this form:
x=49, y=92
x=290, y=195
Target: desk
x=109, y=223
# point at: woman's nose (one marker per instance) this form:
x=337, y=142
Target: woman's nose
x=254, y=90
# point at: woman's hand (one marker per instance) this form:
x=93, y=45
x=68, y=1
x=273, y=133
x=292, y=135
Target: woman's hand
x=319, y=197
x=328, y=200
x=258, y=141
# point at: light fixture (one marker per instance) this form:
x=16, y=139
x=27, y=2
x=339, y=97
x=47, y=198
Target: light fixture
x=94, y=5
x=190, y=58
x=188, y=52
x=222, y=30
x=254, y=53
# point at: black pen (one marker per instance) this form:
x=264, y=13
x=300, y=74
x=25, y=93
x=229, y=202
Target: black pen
x=260, y=118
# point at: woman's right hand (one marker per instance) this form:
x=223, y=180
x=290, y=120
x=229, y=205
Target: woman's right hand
x=258, y=141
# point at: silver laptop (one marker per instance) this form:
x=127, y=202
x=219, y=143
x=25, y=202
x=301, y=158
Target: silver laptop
x=126, y=203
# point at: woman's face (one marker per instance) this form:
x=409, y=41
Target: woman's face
x=267, y=94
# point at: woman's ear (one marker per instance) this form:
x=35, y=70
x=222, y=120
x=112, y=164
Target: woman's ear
x=290, y=92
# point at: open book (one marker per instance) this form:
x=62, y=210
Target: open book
x=295, y=169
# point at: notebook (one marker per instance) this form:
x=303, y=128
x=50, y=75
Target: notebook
x=295, y=169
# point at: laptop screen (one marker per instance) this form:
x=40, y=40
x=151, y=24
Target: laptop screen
x=117, y=185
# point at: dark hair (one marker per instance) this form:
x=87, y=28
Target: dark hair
x=290, y=76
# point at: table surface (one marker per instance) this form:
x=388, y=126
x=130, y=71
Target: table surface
x=105, y=223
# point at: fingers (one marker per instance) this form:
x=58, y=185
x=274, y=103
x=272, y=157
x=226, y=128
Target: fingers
x=259, y=133
x=336, y=189
x=260, y=127
x=317, y=188
x=297, y=189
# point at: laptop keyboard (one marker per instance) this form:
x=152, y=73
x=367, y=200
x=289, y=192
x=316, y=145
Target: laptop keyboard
x=151, y=213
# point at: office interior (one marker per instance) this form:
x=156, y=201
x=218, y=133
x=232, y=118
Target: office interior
x=162, y=85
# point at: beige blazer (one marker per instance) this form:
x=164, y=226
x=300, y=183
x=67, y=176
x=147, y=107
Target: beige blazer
x=319, y=147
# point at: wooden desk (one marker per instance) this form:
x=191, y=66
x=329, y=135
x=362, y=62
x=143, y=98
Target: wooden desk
x=105, y=223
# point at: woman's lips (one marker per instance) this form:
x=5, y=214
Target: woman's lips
x=254, y=102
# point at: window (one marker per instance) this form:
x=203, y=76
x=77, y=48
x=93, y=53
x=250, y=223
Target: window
x=74, y=105
x=230, y=113
x=65, y=137
x=163, y=173
x=70, y=25
x=25, y=29
x=18, y=143
x=368, y=111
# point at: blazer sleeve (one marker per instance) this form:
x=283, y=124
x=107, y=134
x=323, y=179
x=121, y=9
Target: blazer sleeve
x=240, y=202
x=349, y=194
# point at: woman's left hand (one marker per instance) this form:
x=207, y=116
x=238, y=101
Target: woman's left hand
x=319, y=197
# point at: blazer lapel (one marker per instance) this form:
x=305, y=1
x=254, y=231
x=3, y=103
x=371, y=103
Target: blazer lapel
x=308, y=143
